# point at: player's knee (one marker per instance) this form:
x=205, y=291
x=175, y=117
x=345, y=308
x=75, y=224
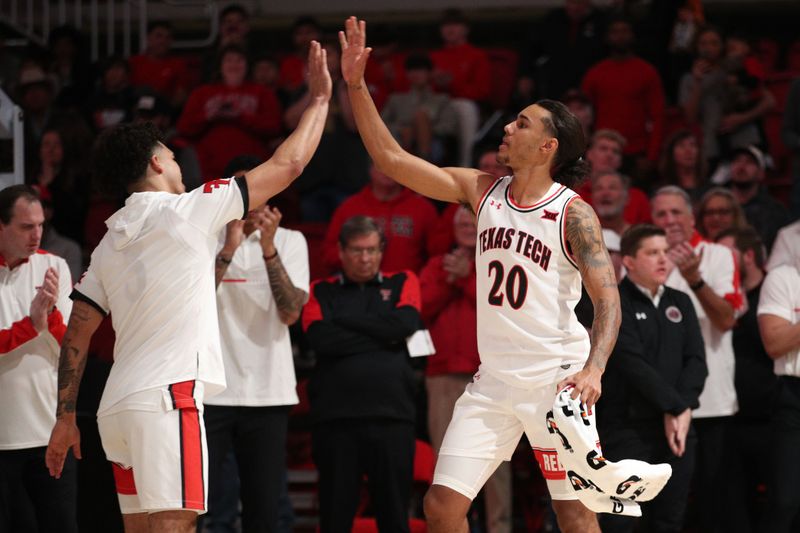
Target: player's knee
x=574, y=517
x=442, y=504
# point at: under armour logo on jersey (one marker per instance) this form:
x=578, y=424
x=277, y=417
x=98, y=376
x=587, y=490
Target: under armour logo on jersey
x=549, y=215
x=214, y=184
x=641, y=316
x=496, y=205
x=386, y=294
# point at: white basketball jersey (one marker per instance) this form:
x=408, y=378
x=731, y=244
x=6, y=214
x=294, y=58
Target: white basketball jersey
x=527, y=289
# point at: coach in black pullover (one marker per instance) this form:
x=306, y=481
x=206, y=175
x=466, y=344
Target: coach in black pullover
x=362, y=389
x=653, y=379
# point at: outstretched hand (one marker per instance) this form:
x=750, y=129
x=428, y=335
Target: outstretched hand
x=354, y=52
x=319, y=78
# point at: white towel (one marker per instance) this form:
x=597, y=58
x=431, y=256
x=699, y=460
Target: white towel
x=601, y=485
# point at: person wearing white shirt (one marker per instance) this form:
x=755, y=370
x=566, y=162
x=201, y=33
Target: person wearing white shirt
x=262, y=276
x=786, y=250
x=34, y=308
x=708, y=273
x=152, y=272
x=779, y=322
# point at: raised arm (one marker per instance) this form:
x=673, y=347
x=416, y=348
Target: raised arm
x=83, y=322
x=459, y=185
x=585, y=239
x=292, y=156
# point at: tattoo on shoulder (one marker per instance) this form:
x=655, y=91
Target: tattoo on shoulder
x=584, y=236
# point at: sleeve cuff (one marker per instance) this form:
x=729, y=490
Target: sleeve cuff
x=78, y=296
x=242, y=183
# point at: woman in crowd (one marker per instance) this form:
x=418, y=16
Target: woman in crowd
x=718, y=211
x=683, y=164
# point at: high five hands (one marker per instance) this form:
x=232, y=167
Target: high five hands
x=354, y=51
x=319, y=78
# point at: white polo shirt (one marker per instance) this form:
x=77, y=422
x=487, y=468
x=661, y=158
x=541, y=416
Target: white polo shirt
x=29, y=359
x=256, y=349
x=154, y=272
x=720, y=272
x=780, y=296
x=786, y=249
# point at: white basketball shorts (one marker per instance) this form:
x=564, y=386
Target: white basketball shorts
x=156, y=442
x=488, y=421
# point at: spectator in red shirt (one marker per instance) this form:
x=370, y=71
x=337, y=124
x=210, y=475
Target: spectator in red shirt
x=610, y=191
x=448, y=308
x=234, y=29
x=159, y=70
x=605, y=155
x=230, y=118
x=407, y=220
x=293, y=66
x=463, y=71
x=628, y=97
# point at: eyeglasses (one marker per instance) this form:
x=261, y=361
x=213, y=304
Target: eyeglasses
x=722, y=212
x=354, y=251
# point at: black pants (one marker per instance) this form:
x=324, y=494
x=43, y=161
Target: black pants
x=783, y=500
x=344, y=451
x=711, y=473
x=665, y=513
x=257, y=436
x=25, y=484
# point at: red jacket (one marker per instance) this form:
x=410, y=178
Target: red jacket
x=470, y=69
x=628, y=97
x=255, y=114
x=448, y=309
x=407, y=220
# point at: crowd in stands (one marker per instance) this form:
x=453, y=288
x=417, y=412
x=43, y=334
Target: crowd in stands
x=715, y=114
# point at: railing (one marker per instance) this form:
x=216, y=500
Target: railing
x=103, y=21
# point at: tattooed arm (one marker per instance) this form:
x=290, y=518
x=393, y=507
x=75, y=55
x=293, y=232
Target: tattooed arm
x=83, y=322
x=288, y=298
x=585, y=240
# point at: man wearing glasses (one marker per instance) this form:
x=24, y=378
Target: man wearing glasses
x=362, y=390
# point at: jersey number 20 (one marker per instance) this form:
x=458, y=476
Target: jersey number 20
x=516, y=285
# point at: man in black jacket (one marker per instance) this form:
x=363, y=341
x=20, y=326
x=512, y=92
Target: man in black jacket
x=653, y=379
x=362, y=390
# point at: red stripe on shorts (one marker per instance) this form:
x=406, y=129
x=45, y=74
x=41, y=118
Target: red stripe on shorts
x=123, y=479
x=192, y=482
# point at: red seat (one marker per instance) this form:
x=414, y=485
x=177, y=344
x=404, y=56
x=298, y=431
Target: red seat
x=368, y=525
x=424, y=462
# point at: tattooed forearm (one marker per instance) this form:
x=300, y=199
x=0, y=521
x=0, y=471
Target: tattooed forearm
x=83, y=321
x=70, y=370
x=604, y=333
x=585, y=239
x=288, y=298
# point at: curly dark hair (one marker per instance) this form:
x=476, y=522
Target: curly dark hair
x=120, y=156
x=569, y=167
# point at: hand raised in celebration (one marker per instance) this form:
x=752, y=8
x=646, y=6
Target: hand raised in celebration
x=354, y=52
x=319, y=78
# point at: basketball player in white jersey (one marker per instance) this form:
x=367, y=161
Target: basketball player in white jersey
x=153, y=271
x=536, y=241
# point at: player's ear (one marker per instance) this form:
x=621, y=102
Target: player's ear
x=155, y=164
x=550, y=145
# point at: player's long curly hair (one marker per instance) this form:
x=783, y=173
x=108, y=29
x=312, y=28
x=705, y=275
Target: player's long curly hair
x=569, y=167
x=120, y=157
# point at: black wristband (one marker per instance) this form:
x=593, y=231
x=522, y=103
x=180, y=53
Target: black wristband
x=697, y=286
x=223, y=259
x=271, y=257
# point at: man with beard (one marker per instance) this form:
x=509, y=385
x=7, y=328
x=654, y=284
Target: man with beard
x=763, y=212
